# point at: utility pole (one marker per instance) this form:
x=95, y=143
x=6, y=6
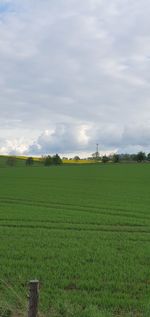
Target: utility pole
x=97, y=153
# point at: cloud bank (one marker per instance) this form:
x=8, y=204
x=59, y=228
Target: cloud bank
x=73, y=74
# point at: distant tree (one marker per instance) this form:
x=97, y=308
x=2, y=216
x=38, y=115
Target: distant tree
x=77, y=158
x=148, y=157
x=42, y=159
x=140, y=157
x=96, y=156
x=29, y=161
x=11, y=161
x=125, y=157
x=56, y=160
x=116, y=158
x=48, y=160
x=105, y=159
x=133, y=157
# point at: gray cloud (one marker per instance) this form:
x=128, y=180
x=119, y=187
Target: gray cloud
x=69, y=65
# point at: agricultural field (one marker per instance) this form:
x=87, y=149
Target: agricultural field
x=84, y=232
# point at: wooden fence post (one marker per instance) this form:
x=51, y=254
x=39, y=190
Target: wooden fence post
x=33, y=298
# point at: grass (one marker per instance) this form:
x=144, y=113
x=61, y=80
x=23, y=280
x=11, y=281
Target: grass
x=84, y=232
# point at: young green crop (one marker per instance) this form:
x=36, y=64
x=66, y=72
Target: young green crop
x=84, y=232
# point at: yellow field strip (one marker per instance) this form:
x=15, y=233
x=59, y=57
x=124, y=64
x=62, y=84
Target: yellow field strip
x=65, y=161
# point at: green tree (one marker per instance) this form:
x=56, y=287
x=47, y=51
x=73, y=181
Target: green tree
x=56, y=160
x=77, y=158
x=29, y=161
x=11, y=161
x=148, y=157
x=48, y=160
x=105, y=159
x=133, y=157
x=140, y=157
x=116, y=158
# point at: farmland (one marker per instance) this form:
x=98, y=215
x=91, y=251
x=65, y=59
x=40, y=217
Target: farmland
x=84, y=232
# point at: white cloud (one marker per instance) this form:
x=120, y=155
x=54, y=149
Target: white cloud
x=81, y=139
x=14, y=147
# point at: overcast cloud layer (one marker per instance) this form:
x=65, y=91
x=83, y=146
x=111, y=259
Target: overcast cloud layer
x=74, y=73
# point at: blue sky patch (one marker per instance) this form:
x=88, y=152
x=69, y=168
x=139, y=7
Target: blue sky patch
x=5, y=7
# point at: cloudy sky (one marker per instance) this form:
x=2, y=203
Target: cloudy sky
x=74, y=73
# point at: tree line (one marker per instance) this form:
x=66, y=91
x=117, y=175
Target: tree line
x=56, y=160
x=30, y=161
x=116, y=158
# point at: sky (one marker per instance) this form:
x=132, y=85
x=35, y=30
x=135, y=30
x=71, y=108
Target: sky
x=74, y=73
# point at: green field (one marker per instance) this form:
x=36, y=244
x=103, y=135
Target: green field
x=84, y=232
